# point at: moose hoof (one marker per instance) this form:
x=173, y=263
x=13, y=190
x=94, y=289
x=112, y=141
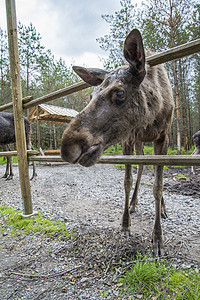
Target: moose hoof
x=9, y=177
x=157, y=248
x=164, y=215
x=131, y=210
x=126, y=231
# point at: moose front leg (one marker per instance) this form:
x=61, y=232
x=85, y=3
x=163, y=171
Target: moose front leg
x=160, y=147
x=128, y=182
x=157, y=237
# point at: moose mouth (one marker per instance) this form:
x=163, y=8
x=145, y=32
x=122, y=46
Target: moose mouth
x=91, y=156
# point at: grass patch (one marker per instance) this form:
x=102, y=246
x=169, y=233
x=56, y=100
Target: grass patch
x=13, y=222
x=181, y=177
x=148, y=150
x=4, y=161
x=149, y=279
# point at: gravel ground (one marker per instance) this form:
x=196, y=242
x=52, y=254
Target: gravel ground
x=90, y=202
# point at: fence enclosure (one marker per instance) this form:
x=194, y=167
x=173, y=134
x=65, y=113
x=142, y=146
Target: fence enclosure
x=18, y=104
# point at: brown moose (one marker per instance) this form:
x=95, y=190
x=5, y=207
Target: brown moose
x=7, y=136
x=132, y=104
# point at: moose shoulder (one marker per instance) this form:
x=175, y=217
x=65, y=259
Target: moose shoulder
x=131, y=105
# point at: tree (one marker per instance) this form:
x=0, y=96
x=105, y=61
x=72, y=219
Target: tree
x=195, y=30
x=168, y=21
x=121, y=23
x=4, y=69
x=30, y=50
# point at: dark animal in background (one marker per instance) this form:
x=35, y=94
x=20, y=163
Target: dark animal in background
x=196, y=140
x=9, y=164
x=132, y=104
x=7, y=136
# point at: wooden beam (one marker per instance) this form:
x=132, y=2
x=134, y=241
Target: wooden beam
x=174, y=53
x=17, y=108
x=57, y=94
x=167, y=160
x=10, y=104
x=56, y=120
x=14, y=153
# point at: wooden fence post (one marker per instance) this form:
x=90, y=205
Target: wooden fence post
x=17, y=108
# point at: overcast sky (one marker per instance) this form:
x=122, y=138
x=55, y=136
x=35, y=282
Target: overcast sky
x=68, y=28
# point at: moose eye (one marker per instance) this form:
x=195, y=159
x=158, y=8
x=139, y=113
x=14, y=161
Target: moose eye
x=118, y=96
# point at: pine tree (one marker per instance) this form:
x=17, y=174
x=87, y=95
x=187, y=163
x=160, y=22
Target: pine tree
x=168, y=22
x=30, y=50
x=4, y=69
x=121, y=23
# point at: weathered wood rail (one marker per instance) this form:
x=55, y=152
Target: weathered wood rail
x=167, y=160
x=14, y=153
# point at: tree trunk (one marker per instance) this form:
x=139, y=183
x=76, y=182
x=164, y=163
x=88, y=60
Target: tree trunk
x=50, y=137
x=2, y=86
x=55, y=137
x=184, y=107
x=177, y=107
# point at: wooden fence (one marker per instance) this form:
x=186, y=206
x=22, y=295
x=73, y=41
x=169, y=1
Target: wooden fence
x=19, y=104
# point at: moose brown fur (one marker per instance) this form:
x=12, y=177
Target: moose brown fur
x=7, y=136
x=132, y=104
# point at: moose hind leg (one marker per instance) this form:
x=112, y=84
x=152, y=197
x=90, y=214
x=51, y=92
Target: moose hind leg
x=10, y=164
x=134, y=200
x=128, y=182
x=163, y=209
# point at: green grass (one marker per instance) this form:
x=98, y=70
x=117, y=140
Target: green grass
x=13, y=219
x=147, y=150
x=3, y=161
x=150, y=278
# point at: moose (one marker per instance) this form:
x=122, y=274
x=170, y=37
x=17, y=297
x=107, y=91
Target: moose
x=132, y=104
x=196, y=140
x=7, y=136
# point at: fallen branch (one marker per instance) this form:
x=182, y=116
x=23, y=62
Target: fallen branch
x=31, y=277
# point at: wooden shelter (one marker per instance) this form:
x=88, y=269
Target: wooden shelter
x=51, y=114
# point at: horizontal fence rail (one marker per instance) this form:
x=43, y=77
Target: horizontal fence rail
x=10, y=104
x=14, y=153
x=174, y=53
x=171, y=160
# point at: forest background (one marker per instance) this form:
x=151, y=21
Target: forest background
x=163, y=24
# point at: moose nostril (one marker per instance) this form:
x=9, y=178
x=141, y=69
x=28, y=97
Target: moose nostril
x=70, y=153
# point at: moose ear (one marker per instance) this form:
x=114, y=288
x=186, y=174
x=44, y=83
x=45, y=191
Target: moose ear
x=91, y=76
x=134, y=52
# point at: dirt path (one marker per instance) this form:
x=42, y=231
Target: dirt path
x=90, y=201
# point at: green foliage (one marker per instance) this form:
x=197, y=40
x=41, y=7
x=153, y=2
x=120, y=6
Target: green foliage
x=17, y=223
x=151, y=278
x=113, y=150
x=4, y=161
x=121, y=23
